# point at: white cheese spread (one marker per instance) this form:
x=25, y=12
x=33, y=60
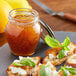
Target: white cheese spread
x=51, y=56
x=16, y=60
x=39, y=63
x=20, y=57
x=18, y=70
x=49, y=64
x=54, y=73
x=66, y=52
x=69, y=66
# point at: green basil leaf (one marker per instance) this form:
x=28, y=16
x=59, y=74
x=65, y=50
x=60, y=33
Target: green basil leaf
x=17, y=64
x=72, y=70
x=61, y=54
x=66, y=48
x=51, y=41
x=42, y=70
x=65, y=72
x=45, y=70
x=66, y=41
x=27, y=62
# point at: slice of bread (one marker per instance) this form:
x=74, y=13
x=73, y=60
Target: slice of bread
x=58, y=61
x=36, y=71
x=71, y=61
x=27, y=68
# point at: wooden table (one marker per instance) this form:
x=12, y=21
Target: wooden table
x=55, y=23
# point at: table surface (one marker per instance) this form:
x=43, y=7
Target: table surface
x=55, y=23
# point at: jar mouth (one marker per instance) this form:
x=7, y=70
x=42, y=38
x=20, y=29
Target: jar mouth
x=23, y=11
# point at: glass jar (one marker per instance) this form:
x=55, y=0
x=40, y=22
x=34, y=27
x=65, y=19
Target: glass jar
x=23, y=31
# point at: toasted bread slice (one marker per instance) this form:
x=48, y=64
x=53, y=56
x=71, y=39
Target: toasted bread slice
x=72, y=47
x=71, y=61
x=27, y=69
x=36, y=71
x=57, y=61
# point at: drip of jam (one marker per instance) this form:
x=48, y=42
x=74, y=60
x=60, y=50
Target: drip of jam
x=53, y=51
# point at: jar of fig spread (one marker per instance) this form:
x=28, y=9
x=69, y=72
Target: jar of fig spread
x=23, y=31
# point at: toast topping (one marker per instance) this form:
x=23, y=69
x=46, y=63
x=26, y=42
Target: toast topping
x=57, y=49
x=24, y=62
x=23, y=65
x=61, y=54
x=69, y=66
x=53, y=51
x=18, y=70
x=66, y=53
x=48, y=70
x=16, y=61
x=33, y=59
x=51, y=56
x=20, y=57
x=45, y=70
x=68, y=71
x=55, y=73
x=50, y=65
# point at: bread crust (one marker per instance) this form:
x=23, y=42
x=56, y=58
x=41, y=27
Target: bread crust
x=37, y=70
x=57, y=61
x=9, y=73
x=69, y=62
x=54, y=62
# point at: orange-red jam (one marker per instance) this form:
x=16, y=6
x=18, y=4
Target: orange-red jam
x=23, y=34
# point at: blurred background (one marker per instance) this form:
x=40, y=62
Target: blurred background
x=56, y=23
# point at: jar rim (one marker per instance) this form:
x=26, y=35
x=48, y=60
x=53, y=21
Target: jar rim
x=16, y=10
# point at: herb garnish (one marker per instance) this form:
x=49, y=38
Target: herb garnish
x=24, y=62
x=67, y=70
x=55, y=43
x=45, y=70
